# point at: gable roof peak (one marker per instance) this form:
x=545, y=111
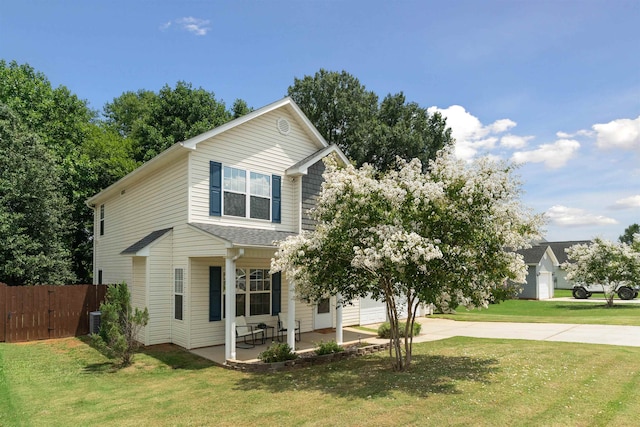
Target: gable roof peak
x=286, y=102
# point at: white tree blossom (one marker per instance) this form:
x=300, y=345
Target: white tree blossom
x=605, y=263
x=406, y=236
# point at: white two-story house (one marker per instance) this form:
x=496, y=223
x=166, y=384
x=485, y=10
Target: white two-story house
x=192, y=231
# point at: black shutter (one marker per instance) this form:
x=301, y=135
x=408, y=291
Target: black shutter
x=276, y=293
x=276, y=198
x=215, y=188
x=215, y=293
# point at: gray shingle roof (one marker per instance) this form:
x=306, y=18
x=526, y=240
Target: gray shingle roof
x=558, y=248
x=534, y=254
x=242, y=236
x=145, y=241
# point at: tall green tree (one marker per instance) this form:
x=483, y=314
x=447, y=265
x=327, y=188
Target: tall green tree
x=349, y=115
x=34, y=220
x=405, y=130
x=340, y=107
x=629, y=234
x=155, y=121
x=62, y=121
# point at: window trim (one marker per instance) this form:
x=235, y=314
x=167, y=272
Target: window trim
x=216, y=194
x=178, y=291
x=101, y=220
x=247, y=192
x=247, y=291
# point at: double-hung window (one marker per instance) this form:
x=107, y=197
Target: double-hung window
x=235, y=192
x=253, y=291
x=243, y=193
x=260, y=199
x=178, y=292
x=102, y=220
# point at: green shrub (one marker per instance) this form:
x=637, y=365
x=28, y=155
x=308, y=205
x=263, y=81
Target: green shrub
x=277, y=352
x=328, y=348
x=120, y=325
x=384, y=331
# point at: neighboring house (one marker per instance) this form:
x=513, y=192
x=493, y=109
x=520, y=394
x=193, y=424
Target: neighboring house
x=192, y=230
x=541, y=262
x=560, y=275
x=545, y=274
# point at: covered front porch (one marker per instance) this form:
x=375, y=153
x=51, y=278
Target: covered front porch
x=308, y=341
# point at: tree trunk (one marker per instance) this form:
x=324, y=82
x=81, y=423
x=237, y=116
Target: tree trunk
x=395, y=347
x=408, y=330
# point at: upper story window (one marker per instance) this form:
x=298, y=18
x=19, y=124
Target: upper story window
x=260, y=196
x=245, y=194
x=235, y=192
x=102, y=220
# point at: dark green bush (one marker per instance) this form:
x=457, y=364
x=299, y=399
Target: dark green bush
x=328, y=348
x=384, y=331
x=277, y=352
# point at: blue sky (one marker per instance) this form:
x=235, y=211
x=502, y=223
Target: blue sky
x=551, y=85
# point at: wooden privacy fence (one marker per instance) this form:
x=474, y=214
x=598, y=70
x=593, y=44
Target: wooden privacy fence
x=29, y=313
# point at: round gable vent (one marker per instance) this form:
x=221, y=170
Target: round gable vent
x=283, y=126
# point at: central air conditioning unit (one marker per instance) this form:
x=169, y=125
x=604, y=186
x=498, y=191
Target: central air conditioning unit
x=94, y=322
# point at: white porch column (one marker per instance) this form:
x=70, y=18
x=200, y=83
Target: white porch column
x=291, y=319
x=339, y=319
x=230, y=302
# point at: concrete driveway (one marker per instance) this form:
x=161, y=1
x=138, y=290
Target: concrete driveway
x=435, y=329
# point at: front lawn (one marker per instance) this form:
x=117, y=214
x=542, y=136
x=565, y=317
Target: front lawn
x=458, y=381
x=584, y=312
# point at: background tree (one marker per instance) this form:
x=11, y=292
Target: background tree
x=34, y=221
x=340, y=108
x=240, y=108
x=629, y=234
x=62, y=122
x=120, y=325
x=347, y=114
x=154, y=122
x=405, y=130
x=405, y=236
x=603, y=262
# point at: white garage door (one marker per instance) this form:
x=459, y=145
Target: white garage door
x=372, y=311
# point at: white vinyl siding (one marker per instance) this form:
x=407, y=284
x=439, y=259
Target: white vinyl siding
x=155, y=203
x=258, y=147
x=137, y=287
x=159, y=290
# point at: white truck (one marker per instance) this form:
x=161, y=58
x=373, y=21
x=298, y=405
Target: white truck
x=624, y=290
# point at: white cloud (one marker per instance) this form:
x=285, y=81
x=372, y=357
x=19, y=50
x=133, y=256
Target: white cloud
x=553, y=155
x=197, y=26
x=501, y=125
x=472, y=137
x=573, y=217
x=621, y=133
x=627, y=203
x=514, y=141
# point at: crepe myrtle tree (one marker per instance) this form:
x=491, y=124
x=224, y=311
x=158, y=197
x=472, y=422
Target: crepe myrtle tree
x=404, y=237
x=606, y=263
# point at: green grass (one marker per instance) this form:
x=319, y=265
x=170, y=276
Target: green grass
x=562, y=293
x=458, y=381
x=591, y=312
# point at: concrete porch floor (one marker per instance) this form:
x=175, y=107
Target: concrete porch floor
x=308, y=341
